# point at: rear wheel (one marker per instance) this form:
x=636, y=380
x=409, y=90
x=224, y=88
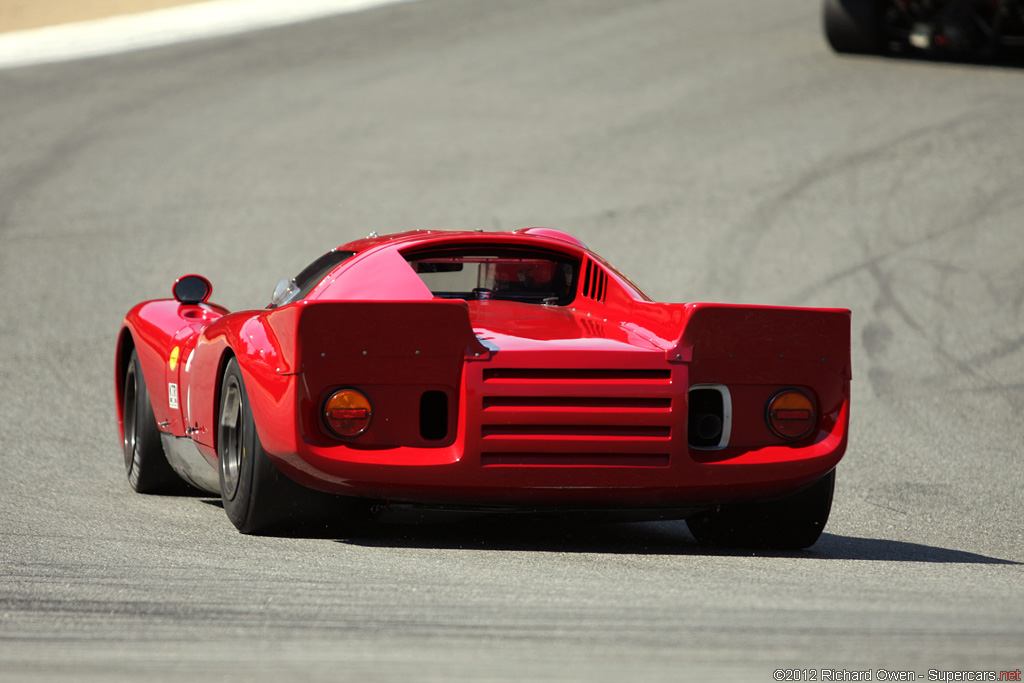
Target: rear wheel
x=789, y=523
x=144, y=460
x=257, y=497
x=854, y=26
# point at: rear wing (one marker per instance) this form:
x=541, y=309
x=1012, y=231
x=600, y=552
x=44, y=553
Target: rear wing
x=393, y=342
x=406, y=356
x=765, y=335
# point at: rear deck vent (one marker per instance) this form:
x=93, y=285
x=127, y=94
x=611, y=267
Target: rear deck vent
x=595, y=282
x=434, y=415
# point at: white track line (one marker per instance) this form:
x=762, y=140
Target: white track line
x=164, y=27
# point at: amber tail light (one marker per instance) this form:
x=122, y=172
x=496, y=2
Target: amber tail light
x=790, y=414
x=347, y=413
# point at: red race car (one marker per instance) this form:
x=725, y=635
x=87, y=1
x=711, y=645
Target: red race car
x=489, y=370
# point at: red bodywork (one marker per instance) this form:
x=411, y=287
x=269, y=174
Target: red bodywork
x=582, y=405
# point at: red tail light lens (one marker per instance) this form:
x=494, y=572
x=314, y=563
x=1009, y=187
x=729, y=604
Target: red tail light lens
x=791, y=414
x=347, y=413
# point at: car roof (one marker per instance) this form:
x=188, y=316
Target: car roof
x=535, y=236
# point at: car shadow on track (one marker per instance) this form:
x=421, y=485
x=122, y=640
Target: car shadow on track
x=584, y=534
x=1010, y=61
x=548, y=534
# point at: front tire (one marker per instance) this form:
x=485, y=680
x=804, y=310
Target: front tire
x=790, y=523
x=144, y=460
x=853, y=26
x=257, y=497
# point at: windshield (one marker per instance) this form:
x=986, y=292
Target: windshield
x=509, y=274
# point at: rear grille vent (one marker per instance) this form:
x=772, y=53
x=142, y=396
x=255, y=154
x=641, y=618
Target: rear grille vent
x=573, y=375
x=576, y=459
x=576, y=430
x=576, y=417
x=574, y=402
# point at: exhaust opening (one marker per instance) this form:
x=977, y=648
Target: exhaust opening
x=710, y=416
x=434, y=415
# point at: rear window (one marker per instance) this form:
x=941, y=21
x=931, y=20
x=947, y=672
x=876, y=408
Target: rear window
x=508, y=274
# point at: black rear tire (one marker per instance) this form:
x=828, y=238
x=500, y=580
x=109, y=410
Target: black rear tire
x=257, y=497
x=853, y=26
x=789, y=523
x=144, y=460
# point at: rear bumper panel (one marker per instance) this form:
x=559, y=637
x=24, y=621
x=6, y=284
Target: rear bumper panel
x=576, y=434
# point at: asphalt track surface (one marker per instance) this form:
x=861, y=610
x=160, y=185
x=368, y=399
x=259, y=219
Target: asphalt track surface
x=714, y=149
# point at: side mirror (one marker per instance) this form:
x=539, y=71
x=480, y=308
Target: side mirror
x=192, y=289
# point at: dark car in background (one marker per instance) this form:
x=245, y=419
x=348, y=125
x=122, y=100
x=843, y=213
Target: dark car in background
x=955, y=29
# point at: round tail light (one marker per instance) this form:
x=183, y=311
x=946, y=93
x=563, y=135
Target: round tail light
x=791, y=414
x=347, y=413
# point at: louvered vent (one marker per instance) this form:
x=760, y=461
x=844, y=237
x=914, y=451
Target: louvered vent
x=595, y=281
x=576, y=417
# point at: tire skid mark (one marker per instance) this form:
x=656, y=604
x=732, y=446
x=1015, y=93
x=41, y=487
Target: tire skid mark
x=730, y=274
x=889, y=269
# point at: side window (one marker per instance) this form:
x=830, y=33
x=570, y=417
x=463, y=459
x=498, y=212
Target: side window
x=302, y=284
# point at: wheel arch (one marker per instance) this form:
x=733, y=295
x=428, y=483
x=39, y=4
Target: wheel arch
x=266, y=394
x=267, y=374
x=122, y=356
x=226, y=356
